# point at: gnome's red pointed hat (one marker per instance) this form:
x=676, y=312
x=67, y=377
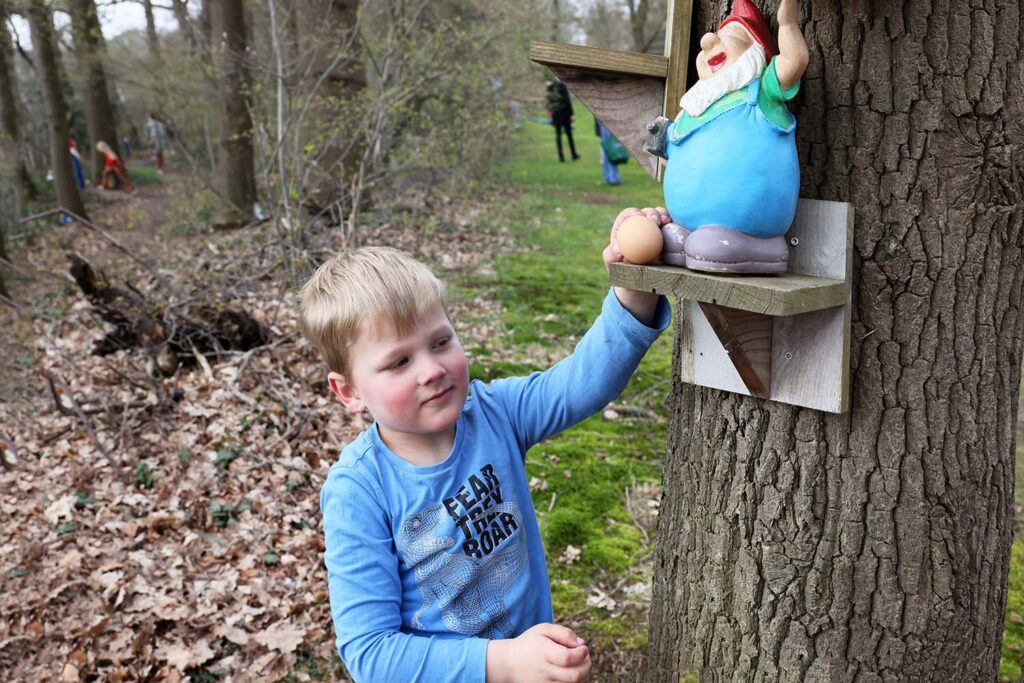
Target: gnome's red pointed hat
x=747, y=14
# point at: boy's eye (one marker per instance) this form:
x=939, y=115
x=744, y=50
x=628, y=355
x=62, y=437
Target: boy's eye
x=401, y=362
x=442, y=342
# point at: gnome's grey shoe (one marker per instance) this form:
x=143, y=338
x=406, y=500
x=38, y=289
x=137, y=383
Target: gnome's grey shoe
x=674, y=237
x=718, y=249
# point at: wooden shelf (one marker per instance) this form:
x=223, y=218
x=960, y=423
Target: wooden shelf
x=598, y=59
x=775, y=295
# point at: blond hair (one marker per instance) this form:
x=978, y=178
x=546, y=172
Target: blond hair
x=105, y=148
x=366, y=286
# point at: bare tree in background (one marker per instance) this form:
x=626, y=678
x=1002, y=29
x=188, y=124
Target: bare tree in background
x=152, y=39
x=336, y=82
x=646, y=22
x=795, y=545
x=12, y=166
x=605, y=25
x=180, y=9
x=41, y=24
x=91, y=53
x=235, y=171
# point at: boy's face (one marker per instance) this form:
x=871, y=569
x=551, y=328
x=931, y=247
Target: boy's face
x=414, y=385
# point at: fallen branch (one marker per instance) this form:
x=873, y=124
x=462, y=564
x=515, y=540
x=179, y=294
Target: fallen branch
x=171, y=334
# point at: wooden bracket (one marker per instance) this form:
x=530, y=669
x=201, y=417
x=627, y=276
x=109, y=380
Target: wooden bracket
x=747, y=338
x=781, y=337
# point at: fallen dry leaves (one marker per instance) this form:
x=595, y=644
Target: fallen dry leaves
x=205, y=560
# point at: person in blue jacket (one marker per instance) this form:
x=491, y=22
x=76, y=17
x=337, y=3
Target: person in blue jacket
x=435, y=565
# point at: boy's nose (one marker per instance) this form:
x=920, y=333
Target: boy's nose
x=431, y=371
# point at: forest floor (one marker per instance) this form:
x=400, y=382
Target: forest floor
x=169, y=529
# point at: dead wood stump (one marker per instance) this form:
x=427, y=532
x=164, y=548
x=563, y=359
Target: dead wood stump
x=171, y=335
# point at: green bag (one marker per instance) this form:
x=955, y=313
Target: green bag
x=614, y=150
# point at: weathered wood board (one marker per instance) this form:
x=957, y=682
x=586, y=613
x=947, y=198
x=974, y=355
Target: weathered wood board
x=625, y=90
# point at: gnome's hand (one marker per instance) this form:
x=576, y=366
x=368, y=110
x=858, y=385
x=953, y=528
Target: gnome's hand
x=788, y=12
x=657, y=137
x=793, y=56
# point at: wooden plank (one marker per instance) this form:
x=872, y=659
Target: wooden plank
x=598, y=59
x=770, y=295
x=677, y=51
x=747, y=338
x=811, y=352
x=623, y=103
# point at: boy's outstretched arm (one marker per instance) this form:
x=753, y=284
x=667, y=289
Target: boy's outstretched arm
x=545, y=652
x=641, y=304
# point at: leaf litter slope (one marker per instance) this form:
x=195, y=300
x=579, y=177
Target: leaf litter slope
x=205, y=559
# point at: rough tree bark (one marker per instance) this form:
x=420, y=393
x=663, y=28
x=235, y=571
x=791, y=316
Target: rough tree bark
x=235, y=170
x=56, y=109
x=91, y=53
x=800, y=546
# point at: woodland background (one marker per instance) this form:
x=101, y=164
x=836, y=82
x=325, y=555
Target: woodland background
x=160, y=500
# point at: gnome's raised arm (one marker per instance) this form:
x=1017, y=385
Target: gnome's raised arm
x=792, y=60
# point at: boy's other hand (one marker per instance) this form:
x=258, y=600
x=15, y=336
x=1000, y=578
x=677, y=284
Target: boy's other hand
x=545, y=652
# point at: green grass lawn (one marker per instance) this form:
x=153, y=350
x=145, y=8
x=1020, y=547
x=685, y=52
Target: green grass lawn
x=551, y=289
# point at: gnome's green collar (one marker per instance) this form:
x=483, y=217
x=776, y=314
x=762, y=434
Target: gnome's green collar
x=686, y=124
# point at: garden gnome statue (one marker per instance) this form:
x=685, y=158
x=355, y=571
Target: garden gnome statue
x=732, y=176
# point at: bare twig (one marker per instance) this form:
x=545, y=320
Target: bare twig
x=636, y=522
x=110, y=239
x=86, y=422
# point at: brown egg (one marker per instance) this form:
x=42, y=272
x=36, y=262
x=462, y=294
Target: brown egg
x=639, y=239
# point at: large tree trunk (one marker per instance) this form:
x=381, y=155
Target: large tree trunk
x=235, y=171
x=12, y=167
x=91, y=51
x=873, y=546
x=56, y=109
x=329, y=37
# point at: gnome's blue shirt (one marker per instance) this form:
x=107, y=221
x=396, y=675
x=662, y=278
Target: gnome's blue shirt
x=736, y=165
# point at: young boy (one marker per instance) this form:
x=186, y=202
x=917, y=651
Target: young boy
x=434, y=558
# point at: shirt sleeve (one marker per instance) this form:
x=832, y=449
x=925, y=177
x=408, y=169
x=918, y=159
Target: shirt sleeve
x=366, y=593
x=771, y=87
x=579, y=385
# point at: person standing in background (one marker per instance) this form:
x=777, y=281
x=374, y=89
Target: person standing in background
x=156, y=136
x=610, y=170
x=76, y=164
x=560, y=111
x=126, y=147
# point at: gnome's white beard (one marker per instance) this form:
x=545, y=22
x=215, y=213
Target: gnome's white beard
x=733, y=77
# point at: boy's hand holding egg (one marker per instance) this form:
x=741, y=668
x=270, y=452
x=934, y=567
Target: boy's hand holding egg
x=636, y=236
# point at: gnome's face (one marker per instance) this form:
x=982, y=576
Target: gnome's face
x=722, y=49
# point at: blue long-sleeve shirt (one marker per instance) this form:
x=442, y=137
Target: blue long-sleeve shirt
x=426, y=564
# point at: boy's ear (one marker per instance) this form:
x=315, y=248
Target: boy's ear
x=345, y=392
